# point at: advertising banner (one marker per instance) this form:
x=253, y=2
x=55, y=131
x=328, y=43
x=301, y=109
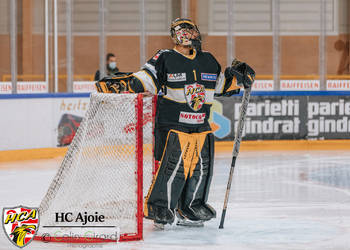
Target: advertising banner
x=24, y=87
x=299, y=85
x=40, y=122
x=338, y=85
x=328, y=117
x=286, y=117
x=263, y=85
x=84, y=87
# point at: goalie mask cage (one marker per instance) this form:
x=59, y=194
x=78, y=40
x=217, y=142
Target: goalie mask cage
x=106, y=171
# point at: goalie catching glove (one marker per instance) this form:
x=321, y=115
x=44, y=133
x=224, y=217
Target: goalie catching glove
x=244, y=74
x=116, y=84
x=237, y=75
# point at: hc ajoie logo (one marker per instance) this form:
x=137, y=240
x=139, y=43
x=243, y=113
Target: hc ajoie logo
x=20, y=224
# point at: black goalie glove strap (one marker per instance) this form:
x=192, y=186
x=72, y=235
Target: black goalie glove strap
x=116, y=84
x=244, y=74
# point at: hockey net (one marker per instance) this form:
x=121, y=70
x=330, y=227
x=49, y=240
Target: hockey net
x=106, y=171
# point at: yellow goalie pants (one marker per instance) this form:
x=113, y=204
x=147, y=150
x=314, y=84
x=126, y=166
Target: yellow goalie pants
x=184, y=176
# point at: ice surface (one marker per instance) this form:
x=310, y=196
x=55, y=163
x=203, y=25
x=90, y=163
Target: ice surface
x=279, y=200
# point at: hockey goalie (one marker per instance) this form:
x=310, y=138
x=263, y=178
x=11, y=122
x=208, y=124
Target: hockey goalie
x=186, y=79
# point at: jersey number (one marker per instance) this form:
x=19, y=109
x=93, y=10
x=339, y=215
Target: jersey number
x=194, y=74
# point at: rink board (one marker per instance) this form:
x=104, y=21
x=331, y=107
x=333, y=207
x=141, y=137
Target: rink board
x=220, y=147
x=282, y=115
x=32, y=120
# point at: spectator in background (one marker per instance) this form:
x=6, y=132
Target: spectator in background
x=111, y=66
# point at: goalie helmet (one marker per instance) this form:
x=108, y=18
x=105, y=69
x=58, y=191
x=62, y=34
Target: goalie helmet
x=184, y=32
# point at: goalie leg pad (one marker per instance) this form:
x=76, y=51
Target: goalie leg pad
x=159, y=198
x=160, y=215
x=179, y=161
x=193, y=199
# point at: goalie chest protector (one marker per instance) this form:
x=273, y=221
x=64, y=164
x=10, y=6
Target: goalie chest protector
x=186, y=85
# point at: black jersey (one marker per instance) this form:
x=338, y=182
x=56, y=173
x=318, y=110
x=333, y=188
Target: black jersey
x=186, y=86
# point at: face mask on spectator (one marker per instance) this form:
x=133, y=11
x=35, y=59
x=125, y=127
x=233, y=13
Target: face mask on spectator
x=112, y=65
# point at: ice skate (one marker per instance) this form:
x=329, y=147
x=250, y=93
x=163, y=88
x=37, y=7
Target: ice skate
x=159, y=226
x=183, y=221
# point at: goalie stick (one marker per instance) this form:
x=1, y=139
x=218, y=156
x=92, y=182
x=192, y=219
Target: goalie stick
x=238, y=137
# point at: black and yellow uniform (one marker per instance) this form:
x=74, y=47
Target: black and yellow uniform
x=184, y=144
x=187, y=83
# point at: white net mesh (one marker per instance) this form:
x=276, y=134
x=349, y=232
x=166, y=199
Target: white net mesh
x=99, y=171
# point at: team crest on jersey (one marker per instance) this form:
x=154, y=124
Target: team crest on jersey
x=20, y=224
x=177, y=77
x=195, y=95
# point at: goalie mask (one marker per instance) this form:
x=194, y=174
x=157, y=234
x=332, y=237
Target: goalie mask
x=184, y=32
